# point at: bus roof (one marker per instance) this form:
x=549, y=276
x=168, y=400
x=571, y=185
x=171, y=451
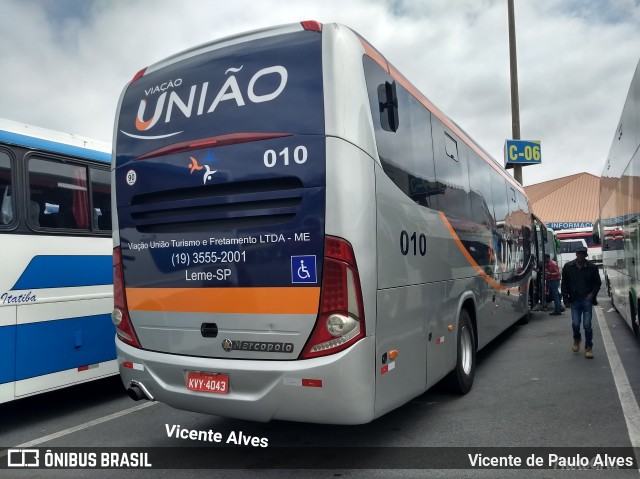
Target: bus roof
x=221, y=43
x=15, y=133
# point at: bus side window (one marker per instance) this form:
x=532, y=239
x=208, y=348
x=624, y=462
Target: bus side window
x=450, y=147
x=34, y=213
x=451, y=172
x=406, y=153
x=101, y=198
x=63, y=189
x=6, y=204
x=7, y=208
x=103, y=218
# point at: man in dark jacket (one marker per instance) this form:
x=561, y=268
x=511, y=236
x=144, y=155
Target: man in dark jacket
x=580, y=285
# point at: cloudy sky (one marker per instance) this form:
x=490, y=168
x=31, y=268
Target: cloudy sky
x=64, y=63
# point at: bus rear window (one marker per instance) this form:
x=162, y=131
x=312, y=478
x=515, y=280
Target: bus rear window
x=267, y=85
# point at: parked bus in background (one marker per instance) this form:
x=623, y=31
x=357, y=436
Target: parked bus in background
x=593, y=243
x=620, y=211
x=56, y=286
x=300, y=234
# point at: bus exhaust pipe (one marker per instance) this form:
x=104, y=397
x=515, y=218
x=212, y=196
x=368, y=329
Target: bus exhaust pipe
x=137, y=391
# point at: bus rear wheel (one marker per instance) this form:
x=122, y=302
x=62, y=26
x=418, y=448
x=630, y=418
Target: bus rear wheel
x=461, y=379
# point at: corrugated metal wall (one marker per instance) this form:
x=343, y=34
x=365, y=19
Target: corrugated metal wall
x=573, y=198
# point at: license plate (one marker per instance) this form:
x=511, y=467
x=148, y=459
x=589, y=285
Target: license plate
x=208, y=382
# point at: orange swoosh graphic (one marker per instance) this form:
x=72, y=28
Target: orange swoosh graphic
x=143, y=125
x=468, y=256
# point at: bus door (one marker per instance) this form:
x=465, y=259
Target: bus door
x=541, y=248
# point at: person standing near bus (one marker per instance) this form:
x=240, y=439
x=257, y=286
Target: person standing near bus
x=553, y=275
x=580, y=285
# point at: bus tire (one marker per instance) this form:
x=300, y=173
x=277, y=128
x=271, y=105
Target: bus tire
x=461, y=379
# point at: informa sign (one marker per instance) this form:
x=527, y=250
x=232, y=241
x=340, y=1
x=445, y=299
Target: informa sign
x=565, y=225
x=522, y=152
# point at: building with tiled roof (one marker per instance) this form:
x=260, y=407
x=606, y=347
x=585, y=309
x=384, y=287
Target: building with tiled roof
x=568, y=202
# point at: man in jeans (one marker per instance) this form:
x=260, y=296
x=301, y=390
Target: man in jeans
x=580, y=285
x=552, y=274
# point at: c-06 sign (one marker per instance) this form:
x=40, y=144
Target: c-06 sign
x=522, y=152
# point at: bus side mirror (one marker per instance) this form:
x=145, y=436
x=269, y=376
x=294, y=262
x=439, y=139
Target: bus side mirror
x=388, y=105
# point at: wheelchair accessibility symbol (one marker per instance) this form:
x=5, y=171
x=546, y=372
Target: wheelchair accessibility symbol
x=303, y=269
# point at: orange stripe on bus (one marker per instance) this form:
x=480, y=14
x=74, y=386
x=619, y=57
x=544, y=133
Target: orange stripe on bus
x=492, y=282
x=285, y=300
x=374, y=54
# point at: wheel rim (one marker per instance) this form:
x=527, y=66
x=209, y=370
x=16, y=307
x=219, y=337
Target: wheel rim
x=466, y=350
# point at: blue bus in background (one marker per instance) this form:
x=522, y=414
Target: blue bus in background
x=56, y=286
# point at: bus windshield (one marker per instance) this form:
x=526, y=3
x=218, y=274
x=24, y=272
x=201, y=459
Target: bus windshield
x=237, y=89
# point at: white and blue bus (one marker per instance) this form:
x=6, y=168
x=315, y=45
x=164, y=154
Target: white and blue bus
x=300, y=234
x=619, y=225
x=56, y=286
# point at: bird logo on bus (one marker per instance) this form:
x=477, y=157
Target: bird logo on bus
x=195, y=166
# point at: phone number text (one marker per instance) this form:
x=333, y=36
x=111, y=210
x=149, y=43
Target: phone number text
x=208, y=257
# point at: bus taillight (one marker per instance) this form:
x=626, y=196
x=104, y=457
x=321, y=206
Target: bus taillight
x=139, y=75
x=311, y=25
x=341, y=320
x=120, y=315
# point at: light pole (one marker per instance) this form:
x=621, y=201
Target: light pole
x=515, y=102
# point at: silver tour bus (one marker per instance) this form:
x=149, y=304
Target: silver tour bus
x=300, y=234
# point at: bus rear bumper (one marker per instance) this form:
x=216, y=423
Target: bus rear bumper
x=335, y=389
